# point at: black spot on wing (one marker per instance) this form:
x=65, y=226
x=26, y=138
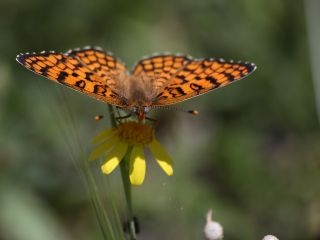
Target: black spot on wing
x=212, y=80
x=195, y=87
x=81, y=84
x=62, y=76
x=44, y=71
x=100, y=90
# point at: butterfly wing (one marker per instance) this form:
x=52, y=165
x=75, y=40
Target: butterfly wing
x=160, y=69
x=199, y=77
x=91, y=71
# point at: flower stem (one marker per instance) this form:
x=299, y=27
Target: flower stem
x=124, y=168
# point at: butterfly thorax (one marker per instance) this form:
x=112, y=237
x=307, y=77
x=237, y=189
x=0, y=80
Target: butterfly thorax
x=138, y=92
x=140, y=112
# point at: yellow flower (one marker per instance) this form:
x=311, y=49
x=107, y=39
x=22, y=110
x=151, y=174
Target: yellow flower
x=114, y=144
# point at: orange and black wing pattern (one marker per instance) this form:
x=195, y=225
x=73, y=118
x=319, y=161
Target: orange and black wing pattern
x=101, y=63
x=90, y=70
x=160, y=69
x=200, y=76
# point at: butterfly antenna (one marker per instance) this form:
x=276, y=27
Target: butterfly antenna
x=98, y=117
x=193, y=112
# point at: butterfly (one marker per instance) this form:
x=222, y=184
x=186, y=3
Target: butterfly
x=159, y=80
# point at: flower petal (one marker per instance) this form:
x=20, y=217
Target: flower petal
x=114, y=157
x=137, y=167
x=162, y=157
x=103, y=135
x=103, y=148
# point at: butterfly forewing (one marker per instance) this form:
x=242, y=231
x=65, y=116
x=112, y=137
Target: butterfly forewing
x=201, y=76
x=88, y=71
x=100, y=62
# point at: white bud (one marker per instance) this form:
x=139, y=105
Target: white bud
x=270, y=237
x=213, y=230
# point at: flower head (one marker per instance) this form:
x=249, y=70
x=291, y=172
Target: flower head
x=130, y=138
x=213, y=230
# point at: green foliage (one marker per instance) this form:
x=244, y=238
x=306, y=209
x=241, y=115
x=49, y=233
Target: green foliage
x=252, y=155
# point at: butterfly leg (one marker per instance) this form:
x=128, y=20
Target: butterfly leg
x=152, y=119
x=119, y=117
x=123, y=117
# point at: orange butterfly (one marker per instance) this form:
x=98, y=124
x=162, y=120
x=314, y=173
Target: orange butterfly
x=158, y=80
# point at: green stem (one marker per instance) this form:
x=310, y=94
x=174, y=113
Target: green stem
x=112, y=116
x=124, y=168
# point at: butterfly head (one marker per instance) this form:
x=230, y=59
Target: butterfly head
x=140, y=111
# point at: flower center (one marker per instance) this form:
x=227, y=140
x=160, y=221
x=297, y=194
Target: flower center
x=135, y=133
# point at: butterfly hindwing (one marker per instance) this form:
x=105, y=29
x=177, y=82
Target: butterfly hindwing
x=75, y=72
x=160, y=69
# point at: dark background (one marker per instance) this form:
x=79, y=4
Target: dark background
x=252, y=155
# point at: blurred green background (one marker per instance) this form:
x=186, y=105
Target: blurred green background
x=252, y=155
